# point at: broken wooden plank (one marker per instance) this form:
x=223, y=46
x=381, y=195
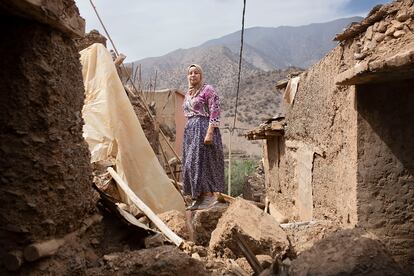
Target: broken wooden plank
x=56, y=14
x=132, y=220
x=144, y=208
x=247, y=252
x=119, y=60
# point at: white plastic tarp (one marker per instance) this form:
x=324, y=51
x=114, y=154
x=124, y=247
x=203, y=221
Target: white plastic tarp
x=112, y=130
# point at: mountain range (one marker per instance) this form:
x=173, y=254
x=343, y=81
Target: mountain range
x=265, y=49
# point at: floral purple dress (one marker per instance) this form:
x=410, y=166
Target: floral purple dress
x=203, y=165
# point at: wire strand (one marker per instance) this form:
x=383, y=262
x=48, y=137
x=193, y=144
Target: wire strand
x=240, y=65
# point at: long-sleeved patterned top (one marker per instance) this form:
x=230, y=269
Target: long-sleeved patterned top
x=206, y=104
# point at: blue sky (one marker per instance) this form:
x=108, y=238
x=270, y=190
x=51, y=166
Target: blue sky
x=146, y=28
x=359, y=6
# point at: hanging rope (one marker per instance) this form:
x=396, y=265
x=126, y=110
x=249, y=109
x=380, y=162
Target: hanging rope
x=240, y=64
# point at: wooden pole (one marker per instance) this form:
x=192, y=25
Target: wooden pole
x=144, y=208
x=103, y=26
x=229, y=169
x=43, y=249
x=39, y=250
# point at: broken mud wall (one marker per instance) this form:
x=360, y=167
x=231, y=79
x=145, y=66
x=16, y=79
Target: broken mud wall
x=385, y=190
x=354, y=111
x=148, y=125
x=321, y=120
x=45, y=173
x=90, y=38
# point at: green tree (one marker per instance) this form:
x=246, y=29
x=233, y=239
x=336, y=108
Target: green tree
x=241, y=169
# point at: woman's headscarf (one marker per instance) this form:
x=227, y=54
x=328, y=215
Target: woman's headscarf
x=194, y=90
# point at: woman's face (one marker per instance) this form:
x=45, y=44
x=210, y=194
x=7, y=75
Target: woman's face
x=194, y=76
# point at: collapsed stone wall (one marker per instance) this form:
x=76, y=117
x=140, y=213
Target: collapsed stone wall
x=45, y=172
x=386, y=165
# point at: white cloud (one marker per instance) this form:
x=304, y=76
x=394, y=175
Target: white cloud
x=152, y=28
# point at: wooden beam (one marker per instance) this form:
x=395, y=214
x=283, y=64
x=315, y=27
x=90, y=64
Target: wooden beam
x=248, y=253
x=42, y=249
x=56, y=14
x=144, y=208
x=47, y=248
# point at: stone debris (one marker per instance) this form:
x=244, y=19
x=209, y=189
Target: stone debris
x=346, y=252
x=162, y=260
x=175, y=220
x=261, y=232
x=205, y=222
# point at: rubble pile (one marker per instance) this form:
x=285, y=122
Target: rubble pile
x=346, y=252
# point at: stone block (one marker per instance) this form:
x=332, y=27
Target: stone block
x=260, y=231
x=205, y=221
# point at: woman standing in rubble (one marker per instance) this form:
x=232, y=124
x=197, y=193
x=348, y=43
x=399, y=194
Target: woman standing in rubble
x=203, y=159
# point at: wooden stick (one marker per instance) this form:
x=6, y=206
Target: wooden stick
x=39, y=250
x=144, y=208
x=119, y=60
x=247, y=252
x=42, y=249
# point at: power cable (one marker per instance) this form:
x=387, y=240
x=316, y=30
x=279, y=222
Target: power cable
x=240, y=64
x=231, y=130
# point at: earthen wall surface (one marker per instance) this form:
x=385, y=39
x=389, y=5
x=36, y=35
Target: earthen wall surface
x=45, y=172
x=323, y=118
x=385, y=190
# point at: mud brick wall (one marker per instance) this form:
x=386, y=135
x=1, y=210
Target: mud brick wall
x=386, y=165
x=323, y=117
x=45, y=173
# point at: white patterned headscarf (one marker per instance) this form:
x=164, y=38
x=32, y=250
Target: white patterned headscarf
x=194, y=90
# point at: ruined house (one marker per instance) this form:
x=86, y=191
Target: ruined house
x=345, y=152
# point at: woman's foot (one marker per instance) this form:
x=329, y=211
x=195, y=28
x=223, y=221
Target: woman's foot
x=207, y=202
x=194, y=205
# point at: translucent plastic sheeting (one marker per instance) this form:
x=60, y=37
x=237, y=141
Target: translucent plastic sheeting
x=112, y=131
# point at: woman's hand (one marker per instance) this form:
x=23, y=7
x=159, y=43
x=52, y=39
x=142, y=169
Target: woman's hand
x=208, y=140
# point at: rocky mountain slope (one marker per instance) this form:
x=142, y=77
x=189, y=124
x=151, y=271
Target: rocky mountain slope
x=281, y=47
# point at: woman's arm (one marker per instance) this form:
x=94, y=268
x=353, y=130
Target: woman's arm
x=213, y=103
